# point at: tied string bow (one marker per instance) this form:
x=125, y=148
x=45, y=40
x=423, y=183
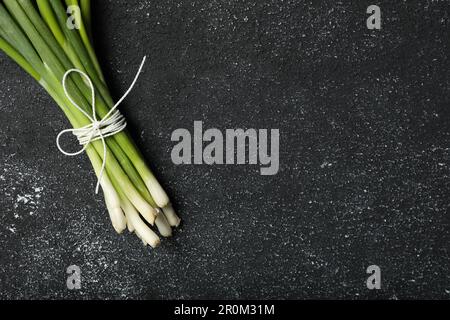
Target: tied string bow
x=112, y=123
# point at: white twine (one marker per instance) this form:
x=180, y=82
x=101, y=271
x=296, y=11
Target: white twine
x=112, y=123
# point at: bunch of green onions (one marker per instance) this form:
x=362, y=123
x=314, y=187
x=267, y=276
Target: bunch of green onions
x=34, y=33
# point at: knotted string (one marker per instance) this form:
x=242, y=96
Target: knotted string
x=112, y=123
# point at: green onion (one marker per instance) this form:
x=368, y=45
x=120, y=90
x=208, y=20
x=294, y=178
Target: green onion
x=34, y=34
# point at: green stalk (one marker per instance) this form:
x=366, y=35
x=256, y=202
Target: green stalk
x=85, y=9
x=74, y=38
x=52, y=43
x=19, y=59
x=86, y=14
x=45, y=48
x=46, y=54
x=50, y=39
x=54, y=65
x=83, y=89
x=131, y=171
x=49, y=17
x=122, y=138
x=112, y=198
x=113, y=168
x=16, y=38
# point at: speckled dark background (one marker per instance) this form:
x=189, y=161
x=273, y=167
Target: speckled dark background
x=365, y=155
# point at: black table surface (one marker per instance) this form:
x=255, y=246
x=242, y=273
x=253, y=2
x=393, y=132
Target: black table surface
x=364, y=155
